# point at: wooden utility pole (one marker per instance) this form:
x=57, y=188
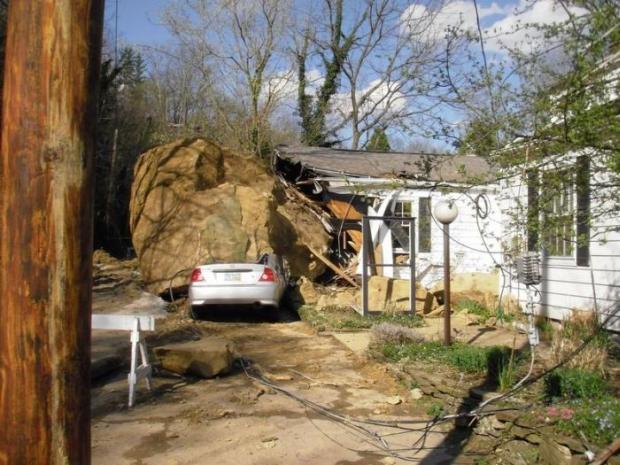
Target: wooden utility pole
x=46, y=208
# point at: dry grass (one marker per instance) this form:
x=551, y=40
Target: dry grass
x=389, y=333
x=574, y=331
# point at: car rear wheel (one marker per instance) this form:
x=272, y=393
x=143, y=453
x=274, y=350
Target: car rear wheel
x=192, y=311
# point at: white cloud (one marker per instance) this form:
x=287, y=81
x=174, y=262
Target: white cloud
x=514, y=30
x=518, y=29
x=283, y=85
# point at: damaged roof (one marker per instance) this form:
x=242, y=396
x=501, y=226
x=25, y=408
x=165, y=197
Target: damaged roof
x=361, y=163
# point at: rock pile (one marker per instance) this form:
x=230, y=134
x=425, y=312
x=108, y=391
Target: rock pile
x=385, y=294
x=194, y=202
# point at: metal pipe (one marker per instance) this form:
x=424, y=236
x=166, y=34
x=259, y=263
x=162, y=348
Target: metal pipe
x=446, y=284
x=365, y=241
x=46, y=213
x=412, y=282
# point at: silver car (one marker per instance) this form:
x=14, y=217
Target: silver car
x=261, y=284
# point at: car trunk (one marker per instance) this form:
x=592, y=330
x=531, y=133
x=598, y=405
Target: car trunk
x=230, y=274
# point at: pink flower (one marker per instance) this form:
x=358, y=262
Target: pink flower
x=552, y=411
x=566, y=414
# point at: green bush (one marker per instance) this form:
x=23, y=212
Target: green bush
x=573, y=383
x=470, y=359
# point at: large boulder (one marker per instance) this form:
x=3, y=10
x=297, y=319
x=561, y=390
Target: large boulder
x=194, y=202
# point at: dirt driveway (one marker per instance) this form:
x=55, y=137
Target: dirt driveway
x=235, y=420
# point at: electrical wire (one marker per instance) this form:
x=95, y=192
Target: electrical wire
x=361, y=426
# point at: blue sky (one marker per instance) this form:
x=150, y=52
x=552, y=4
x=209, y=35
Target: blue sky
x=137, y=21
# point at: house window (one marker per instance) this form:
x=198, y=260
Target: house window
x=559, y=214
x=424, y=224
x=400, y=230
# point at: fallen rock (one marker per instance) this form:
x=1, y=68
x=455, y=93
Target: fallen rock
x=519, y=453
x=394, y=400
x=206, y=358
x=416, y=393
x=308, y=291
x=552, y=453
x=342, y=298
x=194, y=202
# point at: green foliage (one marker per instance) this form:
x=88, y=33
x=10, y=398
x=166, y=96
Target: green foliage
x=597, y=419
x=124, y=131
x=435, y=410
x=475, y=308
x=545, y=328
x=463, y=357
x=379, y=141
x=507, y=374
x=573, y=383
x=480, y=138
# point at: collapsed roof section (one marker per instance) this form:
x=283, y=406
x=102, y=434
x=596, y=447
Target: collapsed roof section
x=358, y=165
x=346, y=185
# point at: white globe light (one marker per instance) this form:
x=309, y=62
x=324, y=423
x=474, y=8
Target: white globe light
x=445, y=211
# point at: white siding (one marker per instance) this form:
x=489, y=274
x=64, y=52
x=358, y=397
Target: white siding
x=467, y=247
x=566, y=286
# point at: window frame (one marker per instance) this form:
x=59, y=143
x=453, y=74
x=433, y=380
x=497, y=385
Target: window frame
x=414, y=211
x=542, y=207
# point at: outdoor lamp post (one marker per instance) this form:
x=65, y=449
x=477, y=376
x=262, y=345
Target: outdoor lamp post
x=445, y=212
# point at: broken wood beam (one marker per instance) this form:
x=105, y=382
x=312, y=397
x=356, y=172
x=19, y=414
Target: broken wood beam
x=606, y=453
x=335, y=268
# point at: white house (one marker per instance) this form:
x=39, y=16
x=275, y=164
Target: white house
x=500, y=215
x=580, y=222
x=351, y=184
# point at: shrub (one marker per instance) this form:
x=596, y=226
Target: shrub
x=573, y=383
x=388, y=332
x=574, y=331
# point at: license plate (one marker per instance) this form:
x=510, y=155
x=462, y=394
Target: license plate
x=232, y=277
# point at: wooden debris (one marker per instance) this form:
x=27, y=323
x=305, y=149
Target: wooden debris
x=333, y=267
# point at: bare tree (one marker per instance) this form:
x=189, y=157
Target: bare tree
x=331, y=43
x=388, y=72
x=237, y=43
x=377, y=65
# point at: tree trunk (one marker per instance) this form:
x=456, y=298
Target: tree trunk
x=50, y=100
